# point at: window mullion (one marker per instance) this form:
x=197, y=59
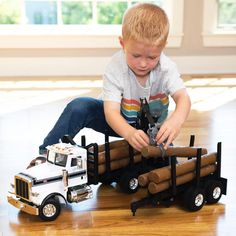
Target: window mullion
x=95, y=15
x=59, y=12
x=129, y=3
x=23, y=14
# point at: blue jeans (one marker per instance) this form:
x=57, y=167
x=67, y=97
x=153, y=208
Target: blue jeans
x=79, y=113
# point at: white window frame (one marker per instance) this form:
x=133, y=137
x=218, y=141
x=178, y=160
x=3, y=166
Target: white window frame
x=89, y=36
x=213, y=37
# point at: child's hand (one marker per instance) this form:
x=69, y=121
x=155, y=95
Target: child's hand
x=138, y=139
x=168, y=132
x=171, y=127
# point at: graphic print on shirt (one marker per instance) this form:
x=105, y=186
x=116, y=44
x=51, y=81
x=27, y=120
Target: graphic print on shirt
x=158, y=105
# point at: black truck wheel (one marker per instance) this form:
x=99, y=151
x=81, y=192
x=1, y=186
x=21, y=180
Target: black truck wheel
x=129, y=182
x=213, y=191
x=50, y=210
x=194, y=199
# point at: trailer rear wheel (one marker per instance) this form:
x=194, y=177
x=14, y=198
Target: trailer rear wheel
x=194, y=199
x=129, y=182
x=213, y=191
x=50, y=209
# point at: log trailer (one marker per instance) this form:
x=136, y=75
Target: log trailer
x=197, y=180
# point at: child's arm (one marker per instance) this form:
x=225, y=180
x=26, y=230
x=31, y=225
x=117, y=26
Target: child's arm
x=136, y=138
x=171, y=127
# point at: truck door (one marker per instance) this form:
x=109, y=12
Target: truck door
x=77, y=172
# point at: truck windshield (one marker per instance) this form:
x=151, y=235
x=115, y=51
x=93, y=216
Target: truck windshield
x=60, y=159
x=57, y=158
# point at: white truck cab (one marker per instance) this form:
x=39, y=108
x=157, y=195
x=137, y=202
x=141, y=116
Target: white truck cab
x=63, y=178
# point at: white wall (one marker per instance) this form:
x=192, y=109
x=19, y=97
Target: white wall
x=94, y=66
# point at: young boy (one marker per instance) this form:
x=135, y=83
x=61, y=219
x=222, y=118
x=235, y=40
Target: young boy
x=140, y=70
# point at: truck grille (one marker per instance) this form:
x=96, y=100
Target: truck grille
x=22, y=188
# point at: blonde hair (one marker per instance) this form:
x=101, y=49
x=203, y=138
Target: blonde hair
x=145, y=22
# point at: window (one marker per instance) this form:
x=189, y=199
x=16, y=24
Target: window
x=57, y=12
x=74, y=23
x=219, y=25
x=77, y=161
x=57, y=158
x=226, y=17
x=60, y=159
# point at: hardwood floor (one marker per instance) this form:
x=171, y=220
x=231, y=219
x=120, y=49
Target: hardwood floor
x=22, y=129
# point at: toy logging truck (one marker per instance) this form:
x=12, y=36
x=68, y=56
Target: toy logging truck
x=69, y=170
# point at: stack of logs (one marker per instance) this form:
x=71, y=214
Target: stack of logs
x=160, y=179
x=119, y=156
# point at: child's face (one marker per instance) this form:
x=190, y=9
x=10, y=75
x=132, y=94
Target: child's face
x=140, y=57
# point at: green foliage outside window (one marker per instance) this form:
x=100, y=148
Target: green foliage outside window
x=10, y=11
x=81, y=12
x=111, y=12
x=227, y=13
x=77, y=12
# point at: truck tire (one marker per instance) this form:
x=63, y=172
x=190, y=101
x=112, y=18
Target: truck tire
x=129, y=182
x=194, y=199
x=213, y=191
x=50, y=209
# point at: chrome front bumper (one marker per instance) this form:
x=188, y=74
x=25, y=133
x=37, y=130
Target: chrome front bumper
x=32, y=210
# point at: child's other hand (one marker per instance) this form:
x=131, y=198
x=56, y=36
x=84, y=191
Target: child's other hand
x=168, y=132
x=138, y=139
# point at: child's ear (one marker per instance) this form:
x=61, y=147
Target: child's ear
x=121, y=42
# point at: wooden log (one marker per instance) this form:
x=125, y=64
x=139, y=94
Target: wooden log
x=155, y=151
x=182, y=179
x=117, y=164
x=113, y=144
x=164, y=173
x=143, y=179
x=115, y=154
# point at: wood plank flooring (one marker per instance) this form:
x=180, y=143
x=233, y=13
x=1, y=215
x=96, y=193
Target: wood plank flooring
x=212, y=119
